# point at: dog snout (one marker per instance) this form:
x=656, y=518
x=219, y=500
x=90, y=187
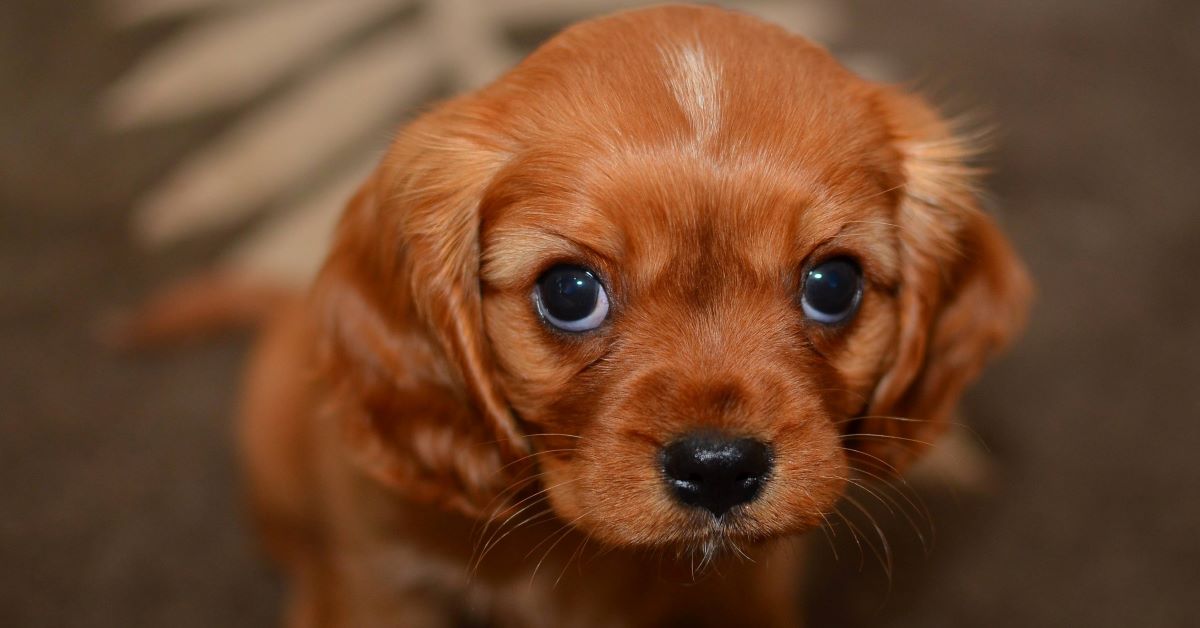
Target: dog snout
x=715, y=472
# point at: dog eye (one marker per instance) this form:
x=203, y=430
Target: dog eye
x=571, y=298
x=832, y=291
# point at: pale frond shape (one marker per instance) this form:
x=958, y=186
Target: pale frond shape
x=871, y=66
x=817, y=20
x=270, y=150
x=230, y=58
x=958, y=461
x=134, y=12
x=557, y=11
x=469, y=42
x=290, y=246
x=821, y=22
x=343, y=85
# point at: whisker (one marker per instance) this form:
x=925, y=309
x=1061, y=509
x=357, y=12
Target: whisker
x=887, y=549
x=828, y=533
x=497, y=537
x=915, y=500
x=497, y=504
x=515, y=487
x=826, y=527
x=854, y=534
x=738, y=550
x=887, y=465
x=564, y=533
x=861, y=485
x=888, y=437
x=578, y=552
x=540, y=495
x=535, y=454
x=901, y=419
x=487, y=443
x=899, y=507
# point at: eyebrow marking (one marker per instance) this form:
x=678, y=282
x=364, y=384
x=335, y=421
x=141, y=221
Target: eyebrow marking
x=695, y=82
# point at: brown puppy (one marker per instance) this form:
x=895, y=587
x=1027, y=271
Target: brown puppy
x=662, y=287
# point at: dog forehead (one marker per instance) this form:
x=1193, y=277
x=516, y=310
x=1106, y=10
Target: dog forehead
x=703, y=76
x=667, y=209
x=657, y=135
x=656, y=212
x=660, y=213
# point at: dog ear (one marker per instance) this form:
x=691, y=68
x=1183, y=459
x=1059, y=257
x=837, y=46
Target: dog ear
x=964, y=294
x=403, y=346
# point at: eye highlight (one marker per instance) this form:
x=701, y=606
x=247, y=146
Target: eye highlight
x=832, y=291
x=571, y=298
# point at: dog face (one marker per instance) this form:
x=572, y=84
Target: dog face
x=666, y=297
x=686, y=260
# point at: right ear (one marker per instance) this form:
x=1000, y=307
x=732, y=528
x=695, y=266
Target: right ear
x=964, y=293
x=402, y=344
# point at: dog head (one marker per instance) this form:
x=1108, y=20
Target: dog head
x=677, y=273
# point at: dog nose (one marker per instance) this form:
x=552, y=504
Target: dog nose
x=715, y=473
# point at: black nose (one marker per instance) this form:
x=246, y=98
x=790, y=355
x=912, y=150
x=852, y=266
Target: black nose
x=715, y=473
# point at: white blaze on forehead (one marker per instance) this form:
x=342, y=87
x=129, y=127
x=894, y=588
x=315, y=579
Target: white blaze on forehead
x=695, y=81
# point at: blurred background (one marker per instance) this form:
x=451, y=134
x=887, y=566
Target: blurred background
x=143, y=140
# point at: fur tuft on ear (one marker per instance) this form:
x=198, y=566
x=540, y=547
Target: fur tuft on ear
x=964, y=294
x=403, y=346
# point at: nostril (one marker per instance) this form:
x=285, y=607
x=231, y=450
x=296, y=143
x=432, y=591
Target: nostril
x=754, y=457
x=715, y=473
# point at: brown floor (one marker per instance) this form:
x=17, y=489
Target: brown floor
x=117, y=503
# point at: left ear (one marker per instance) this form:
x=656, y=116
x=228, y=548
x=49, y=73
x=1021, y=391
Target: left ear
x=400, y=325
x=964, y=294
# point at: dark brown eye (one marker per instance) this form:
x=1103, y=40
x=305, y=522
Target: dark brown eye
x=571, y=298
x=832, y=291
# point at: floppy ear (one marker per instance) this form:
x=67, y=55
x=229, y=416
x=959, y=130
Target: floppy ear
x=403, y=346
x=963, y=295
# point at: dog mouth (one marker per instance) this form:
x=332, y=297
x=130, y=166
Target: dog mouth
x=708, y=539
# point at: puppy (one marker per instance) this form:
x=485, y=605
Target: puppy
x=594, y=343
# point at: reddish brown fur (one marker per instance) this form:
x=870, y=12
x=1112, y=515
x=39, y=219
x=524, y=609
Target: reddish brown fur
x=417, y=391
